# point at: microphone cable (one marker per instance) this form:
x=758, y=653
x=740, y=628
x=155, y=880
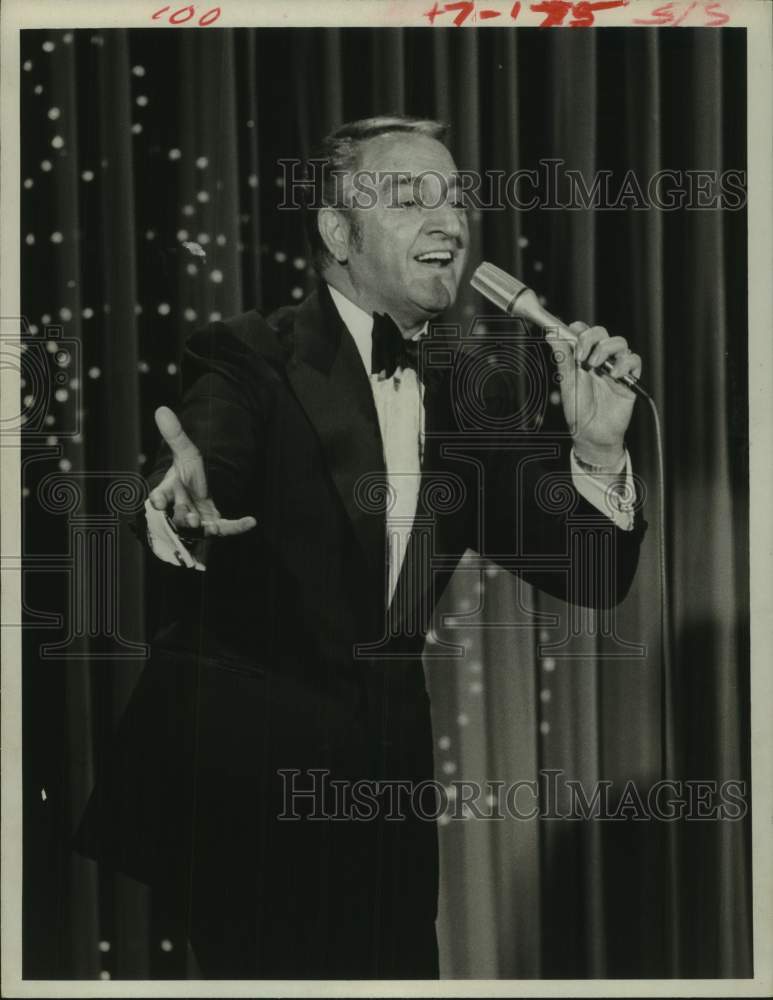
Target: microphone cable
x=516, y=299
x=666, y=676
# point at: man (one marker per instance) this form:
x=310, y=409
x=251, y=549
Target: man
x=336, y=491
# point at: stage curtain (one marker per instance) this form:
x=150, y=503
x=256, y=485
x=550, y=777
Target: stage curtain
x=136, y=142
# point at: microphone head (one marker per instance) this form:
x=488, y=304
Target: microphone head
x=497, y=285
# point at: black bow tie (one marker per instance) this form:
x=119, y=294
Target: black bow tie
x=390, y=349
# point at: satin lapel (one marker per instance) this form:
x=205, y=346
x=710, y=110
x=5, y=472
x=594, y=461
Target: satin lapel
x=330, y=382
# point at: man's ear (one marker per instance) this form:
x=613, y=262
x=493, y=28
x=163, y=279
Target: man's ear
x=334, y=228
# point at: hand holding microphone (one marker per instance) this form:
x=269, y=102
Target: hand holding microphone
x=598, y=373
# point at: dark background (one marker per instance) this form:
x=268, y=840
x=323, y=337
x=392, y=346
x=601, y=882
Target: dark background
x=539, y=900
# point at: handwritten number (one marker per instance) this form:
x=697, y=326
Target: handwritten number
x=465, y=8
x=582, y=12
x=185, y=14
x=554, y=10
x=177, y=19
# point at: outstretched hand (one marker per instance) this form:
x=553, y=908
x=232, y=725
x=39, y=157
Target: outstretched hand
x=184, y=487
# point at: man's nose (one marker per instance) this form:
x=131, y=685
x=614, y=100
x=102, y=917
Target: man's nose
x=447, y=221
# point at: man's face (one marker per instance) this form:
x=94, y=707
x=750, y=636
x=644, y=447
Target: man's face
x=417, y=214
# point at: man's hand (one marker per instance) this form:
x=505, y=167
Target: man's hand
x=184, y=487
x=597, y=408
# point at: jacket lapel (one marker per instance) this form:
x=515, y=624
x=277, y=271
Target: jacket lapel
x=331, y=384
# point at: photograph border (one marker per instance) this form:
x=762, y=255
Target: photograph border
x=757, y=17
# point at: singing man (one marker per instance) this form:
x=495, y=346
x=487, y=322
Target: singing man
x=337, y=481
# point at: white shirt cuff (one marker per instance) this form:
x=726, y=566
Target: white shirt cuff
x=616, y=501
x=164, y=541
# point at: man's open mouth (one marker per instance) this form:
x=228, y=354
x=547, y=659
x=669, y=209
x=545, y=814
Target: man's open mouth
x=435, y=258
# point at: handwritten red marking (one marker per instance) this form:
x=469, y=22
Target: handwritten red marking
x=583, y=11
x=580, y=13
x=554, y=10
x=465, y=8
x=663, y=15
x=184, y=14
x=687, y=11
x=432, y=14
x=668, y=13
x=720, y=17
x=177, y=19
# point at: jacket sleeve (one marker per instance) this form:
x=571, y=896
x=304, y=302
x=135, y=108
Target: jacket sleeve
x=221, y=410
x=536, y=524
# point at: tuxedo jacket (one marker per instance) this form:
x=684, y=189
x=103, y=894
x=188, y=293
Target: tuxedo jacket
x=282, y=669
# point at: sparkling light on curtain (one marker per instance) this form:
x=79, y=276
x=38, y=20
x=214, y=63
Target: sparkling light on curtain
x=134, y=142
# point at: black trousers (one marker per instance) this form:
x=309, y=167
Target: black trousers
x=192, y=803
x=319, y=900
x=352, y=895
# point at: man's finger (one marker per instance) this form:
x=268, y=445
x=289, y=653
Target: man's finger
x=224, y=526
x=183, y=505
x=193, y=519
x=172, y=432
x=626, y=364
x=163, y=494
x=187, y=457
x=587, y=341
x=606, y=348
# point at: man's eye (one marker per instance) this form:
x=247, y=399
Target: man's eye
x=408, y=203
x=459, y=203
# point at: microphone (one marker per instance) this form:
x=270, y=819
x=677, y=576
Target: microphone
x=516, y=299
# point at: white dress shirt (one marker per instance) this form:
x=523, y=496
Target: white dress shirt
x=400, y=408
